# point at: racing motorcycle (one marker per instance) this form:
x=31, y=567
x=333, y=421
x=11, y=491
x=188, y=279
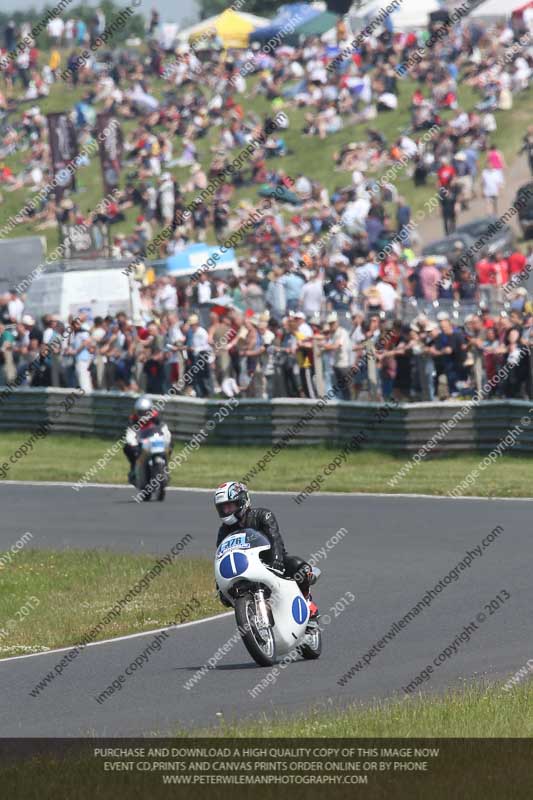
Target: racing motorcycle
x=271, y=612
x=151, y=467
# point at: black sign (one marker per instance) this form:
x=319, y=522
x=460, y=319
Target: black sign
x=63, y=150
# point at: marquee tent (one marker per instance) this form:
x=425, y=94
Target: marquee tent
x=316, y=26
x=413, y=15
x=288, y=17
x=232, y=27
x=496, y=10
x=200, y=257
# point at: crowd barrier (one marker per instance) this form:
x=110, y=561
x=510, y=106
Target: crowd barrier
x=406, y=427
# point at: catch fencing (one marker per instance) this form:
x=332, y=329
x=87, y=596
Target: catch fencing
x=405, y=428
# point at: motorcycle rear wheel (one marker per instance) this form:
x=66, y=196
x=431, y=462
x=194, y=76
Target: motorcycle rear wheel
x=262, y=650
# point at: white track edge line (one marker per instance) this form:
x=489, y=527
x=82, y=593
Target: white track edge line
x=118, y=638
x=271, y=492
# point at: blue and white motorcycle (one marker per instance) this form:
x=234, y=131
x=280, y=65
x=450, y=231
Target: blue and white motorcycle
x=151, y=467
x=271, y=612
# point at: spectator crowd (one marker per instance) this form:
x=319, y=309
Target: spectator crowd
x=331, y=290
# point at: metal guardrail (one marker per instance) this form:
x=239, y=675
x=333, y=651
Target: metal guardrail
x=406, y=427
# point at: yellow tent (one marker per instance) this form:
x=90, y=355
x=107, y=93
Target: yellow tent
x=232, y=28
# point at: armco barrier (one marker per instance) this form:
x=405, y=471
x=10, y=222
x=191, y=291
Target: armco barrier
x=405, y=427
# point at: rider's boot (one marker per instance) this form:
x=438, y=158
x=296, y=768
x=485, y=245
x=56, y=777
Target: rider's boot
x=313, y=608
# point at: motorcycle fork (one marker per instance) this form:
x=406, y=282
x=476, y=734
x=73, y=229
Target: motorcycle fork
x=263, y=613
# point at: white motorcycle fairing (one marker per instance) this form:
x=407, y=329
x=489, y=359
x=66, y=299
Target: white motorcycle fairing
x=238, y=565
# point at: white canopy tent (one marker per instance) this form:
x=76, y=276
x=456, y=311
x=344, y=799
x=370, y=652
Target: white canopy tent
x=493, y=10
x=411, y=15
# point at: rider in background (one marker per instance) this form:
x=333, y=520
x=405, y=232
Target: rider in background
x=233, y=506
x=144, y=416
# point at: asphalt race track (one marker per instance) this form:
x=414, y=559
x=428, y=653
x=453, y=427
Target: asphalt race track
x=396, y=549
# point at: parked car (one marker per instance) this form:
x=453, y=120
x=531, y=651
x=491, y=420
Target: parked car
x=524, y=203
x=448, y=246
x=501, y=241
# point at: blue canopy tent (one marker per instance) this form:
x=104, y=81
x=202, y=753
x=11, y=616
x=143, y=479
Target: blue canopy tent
x=286, y=22
x=200, y=257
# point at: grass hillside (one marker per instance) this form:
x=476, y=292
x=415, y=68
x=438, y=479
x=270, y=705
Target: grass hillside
x=308, y=155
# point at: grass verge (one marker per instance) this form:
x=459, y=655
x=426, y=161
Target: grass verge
x=473, y=712
x=73, y=591
x=67, y=458
x=490, y=770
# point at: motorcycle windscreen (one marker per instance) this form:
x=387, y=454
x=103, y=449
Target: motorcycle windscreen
x=245, y=539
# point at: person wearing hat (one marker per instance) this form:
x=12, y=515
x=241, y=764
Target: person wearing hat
x=463, y=178
x=340, y=346
x=340, y=298
x=304, y=354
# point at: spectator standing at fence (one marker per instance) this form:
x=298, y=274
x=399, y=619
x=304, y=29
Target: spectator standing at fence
x=340, y=345
x=475, y=340
x=516, y=364
x=450, y=356
x=201, y=357
x=81, y=351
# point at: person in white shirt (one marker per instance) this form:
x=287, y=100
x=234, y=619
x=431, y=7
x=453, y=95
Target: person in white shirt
x=15, y=307
x=174, y=342
x=491, y=182
x=312, y=298
x=55, y=30
x=204, y=289
x=339, y=343
x=198, y=342
x=167, y=296
x=388, y=294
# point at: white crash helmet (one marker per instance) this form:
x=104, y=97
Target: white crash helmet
x=231, y=501
x=143, y=405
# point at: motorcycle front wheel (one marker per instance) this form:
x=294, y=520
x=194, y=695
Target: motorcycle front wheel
x=161, y=478
x=259, y=642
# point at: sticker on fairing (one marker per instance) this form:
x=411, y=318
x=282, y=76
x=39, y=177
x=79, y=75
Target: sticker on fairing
x=233, y=564
x=237, y=541
x=299, y=610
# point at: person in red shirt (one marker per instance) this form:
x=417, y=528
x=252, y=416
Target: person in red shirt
x=6, y=175
x=485, y=272
x=486, y=318
x=517, y=262
x=501, y=269
x=486, y=276
x=445, y=173
x=390, y=271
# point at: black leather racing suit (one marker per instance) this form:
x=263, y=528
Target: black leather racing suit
x=264, y=521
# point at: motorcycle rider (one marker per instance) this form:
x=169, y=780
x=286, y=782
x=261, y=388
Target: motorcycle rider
x=144, y=416
x=233, y=506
